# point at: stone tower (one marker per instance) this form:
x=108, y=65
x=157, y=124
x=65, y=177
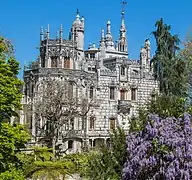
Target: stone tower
x=77, y=31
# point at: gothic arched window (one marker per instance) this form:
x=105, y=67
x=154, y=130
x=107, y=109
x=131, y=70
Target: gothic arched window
x=67, y=63
x=133, y=94
x=122, y=94
x=54, y=61
x=122, y=71
x=92, y=122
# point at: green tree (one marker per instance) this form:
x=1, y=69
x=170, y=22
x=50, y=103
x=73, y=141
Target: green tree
x=12, y=140
x=169, y=69
x=186, y=54
x=10, y=85
x=108, y=162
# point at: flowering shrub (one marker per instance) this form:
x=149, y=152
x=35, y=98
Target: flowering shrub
x=163, y=150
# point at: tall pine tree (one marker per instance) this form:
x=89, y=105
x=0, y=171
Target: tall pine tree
x=169, y=68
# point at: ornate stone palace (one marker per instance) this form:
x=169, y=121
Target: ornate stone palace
x=105, y=74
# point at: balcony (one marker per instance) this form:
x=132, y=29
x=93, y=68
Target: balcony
x=124, y=106
x=73, y=134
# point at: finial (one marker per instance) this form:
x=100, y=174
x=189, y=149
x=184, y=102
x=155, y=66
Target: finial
x=123, y=6
x=77, y=11
x=123, y=11
x=77, y=16
x=108, y=27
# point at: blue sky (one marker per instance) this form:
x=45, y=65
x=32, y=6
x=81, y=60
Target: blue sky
x=21, y=21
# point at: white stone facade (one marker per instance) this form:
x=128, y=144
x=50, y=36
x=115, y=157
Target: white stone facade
x=106, y=74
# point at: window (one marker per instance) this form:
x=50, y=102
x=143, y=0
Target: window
x=112, y=124
x=123, y=48
x=72, y=124
x=92, y=122
x=122, y=71
x=133, y=94
x=32, y=89
x=70, y=90
x=53, y=61
x=91, y=93
x=86, y=55
x=92, y=55
x=89, y=68
x=112, y=93
x=122, y=94
x=93, y=69
x=67, y=63
x=70, y=144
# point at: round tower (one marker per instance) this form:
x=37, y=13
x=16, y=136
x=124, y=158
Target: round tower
x=77, y=31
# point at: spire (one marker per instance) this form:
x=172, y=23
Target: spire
x=123, y=15
x=102, y=41
x=122, y=46
x=109, y=39
x=41, y=34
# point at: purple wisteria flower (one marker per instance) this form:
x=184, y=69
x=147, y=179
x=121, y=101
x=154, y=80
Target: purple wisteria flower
x=163, y=150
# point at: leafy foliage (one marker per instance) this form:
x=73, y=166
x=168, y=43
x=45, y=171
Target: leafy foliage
x=41, y=164
x=170, y=70
x=164, y=106
x=108, y=162
x=12, y=139
x=162, y=150
x=186, y=54
x=10, y=85
x=80, y=162
x=12, y=174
